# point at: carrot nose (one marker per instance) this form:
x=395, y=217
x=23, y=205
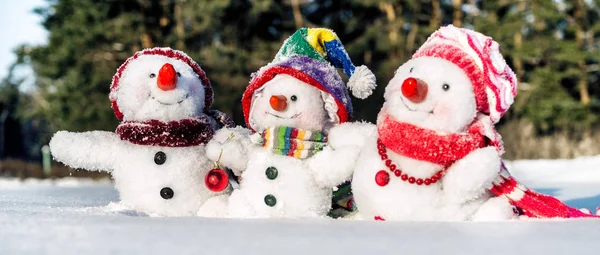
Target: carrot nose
x=414, y=89
x=167, y=78
x=278, y=103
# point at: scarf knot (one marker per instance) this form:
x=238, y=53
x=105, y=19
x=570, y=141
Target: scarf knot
x=293, y=142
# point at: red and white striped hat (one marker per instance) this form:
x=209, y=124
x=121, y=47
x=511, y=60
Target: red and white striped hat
x=167, y=52
x=494, y=83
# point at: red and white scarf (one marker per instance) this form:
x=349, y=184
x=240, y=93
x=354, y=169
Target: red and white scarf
x=427, y=145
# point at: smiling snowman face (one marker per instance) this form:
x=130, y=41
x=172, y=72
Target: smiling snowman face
x=160, y=88
x=432, y=93
x=286, y=101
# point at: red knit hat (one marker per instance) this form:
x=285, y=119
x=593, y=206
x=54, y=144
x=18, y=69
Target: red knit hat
x=167, y=52
x=494, y=83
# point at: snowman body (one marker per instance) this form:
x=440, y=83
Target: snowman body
x=160, y=172
x=278, y=186
x=169, y=181
x=400, y=200
x=444, y=103
x=156, y=180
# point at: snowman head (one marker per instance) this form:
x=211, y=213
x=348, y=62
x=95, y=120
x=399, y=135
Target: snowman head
x=287, y=101
x=423, y=95
x=298, y=92
x=160, y=84
x=301, y=87
x=454, y=76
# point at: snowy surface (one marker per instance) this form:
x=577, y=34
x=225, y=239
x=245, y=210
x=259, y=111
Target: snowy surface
x=72, y=217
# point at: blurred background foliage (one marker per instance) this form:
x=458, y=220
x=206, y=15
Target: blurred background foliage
x=553, y=46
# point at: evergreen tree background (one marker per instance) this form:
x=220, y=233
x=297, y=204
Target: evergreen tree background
x=553, y=46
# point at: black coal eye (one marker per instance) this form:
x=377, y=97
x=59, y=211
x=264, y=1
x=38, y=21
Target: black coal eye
x=178, y=74
x=411, y=69
x=152, y=75
x=294, y=98
x=446, y=87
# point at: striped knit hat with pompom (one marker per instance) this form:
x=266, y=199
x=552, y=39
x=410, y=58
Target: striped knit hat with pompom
x=494, y=83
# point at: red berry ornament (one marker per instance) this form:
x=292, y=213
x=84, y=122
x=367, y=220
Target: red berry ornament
x=216, y=180
x=382, y=178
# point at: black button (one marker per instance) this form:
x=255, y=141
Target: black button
x=271, y=173
x=160, y=158
x=270, y=200
x=167, y=193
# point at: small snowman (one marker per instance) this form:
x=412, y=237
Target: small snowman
x=285, y=166
x=157, y=153
x=434, y=154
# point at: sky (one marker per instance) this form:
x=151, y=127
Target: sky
x=18, y=25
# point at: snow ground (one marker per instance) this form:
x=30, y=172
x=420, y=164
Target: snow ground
x=71, y=216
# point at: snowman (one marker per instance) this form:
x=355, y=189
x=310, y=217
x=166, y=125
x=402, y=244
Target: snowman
x=157, y=153
x=434, y=154
x=285, y=166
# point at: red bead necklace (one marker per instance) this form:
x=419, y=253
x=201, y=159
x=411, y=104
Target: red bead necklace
x=382, y=177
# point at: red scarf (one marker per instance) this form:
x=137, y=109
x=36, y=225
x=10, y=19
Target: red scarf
x=427, y=145
x=181, y=133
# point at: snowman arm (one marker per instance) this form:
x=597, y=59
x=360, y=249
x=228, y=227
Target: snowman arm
x=94, y=150
x=472, y=176
x=230, y=146
x=331, y=167
x=350, y=134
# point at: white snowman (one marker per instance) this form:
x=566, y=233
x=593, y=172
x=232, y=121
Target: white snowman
x=157, y=154
x=434, y=154
x=286, y=168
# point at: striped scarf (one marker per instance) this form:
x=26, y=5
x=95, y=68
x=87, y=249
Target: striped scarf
x=293, y=142
x=531, y=203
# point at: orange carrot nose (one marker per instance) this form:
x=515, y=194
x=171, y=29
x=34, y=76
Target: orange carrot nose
x=414, y=90
x=278, y=103
x=167, y=78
